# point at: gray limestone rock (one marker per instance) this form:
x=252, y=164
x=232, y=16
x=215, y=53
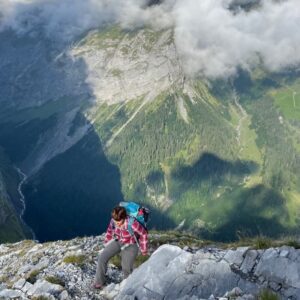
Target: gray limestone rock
x=235, y=292
x=45, y=296
x=291, y=293
x=279, y=270
x=26, y=287
x=170, y=273
x=249, y=261
x=43, y=263
x=270, y=253
x=19, y=284
x=10, y=294
x=25, y=269
x=164, y=276
x=43, y=286
x=246, y=297
x=284, y=251
x=275, y=286
x=294, y=255
x=64, y=295
x=236, y=257
x=248, y=286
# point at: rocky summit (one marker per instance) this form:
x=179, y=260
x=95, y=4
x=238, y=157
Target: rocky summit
x=65, y=270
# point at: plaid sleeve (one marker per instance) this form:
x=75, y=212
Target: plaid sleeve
x=109, y=232
x=143, y=236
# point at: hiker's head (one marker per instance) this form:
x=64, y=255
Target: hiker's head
x=119, y=214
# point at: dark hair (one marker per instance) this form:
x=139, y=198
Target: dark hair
x=119, y=213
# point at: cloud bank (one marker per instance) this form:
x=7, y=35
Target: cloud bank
x=60, y=20
x=213, y=40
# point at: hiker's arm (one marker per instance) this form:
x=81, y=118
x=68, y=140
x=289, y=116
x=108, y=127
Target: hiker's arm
x=109, y=232
x=143, y=236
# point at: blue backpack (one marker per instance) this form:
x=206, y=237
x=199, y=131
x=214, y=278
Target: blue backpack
x=136, y=212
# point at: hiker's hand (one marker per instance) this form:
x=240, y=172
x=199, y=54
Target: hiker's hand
x=144, y=253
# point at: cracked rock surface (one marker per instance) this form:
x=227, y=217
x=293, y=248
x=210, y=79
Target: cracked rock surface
x=208, y=273
x=66, y=269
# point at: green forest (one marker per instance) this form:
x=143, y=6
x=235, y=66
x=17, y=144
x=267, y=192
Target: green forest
x=220, y=158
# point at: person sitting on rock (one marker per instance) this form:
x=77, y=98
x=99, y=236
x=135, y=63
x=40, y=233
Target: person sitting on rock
x=118, y=239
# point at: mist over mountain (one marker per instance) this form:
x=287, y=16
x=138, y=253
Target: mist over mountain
x=190, y=107
x=214, y=38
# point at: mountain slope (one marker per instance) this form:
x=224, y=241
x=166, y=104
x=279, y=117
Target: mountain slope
x=11, y=227
x=121, y=120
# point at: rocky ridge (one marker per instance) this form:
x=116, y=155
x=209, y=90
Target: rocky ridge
x=125, y=66
x=65, y=270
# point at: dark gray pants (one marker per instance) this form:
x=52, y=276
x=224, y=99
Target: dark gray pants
x=128, y=255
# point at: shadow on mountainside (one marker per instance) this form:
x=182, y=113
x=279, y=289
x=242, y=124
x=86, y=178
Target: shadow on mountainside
x=73, y=194
x=256, y=211
x=209, y=167
x=74, y=191
x=226, y=206
x=43, y=93
x=159, y=220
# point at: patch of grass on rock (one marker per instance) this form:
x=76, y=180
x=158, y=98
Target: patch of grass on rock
x=262, y=242
x=55, y=280
x=40, y=298
x=292, y=243
x=140, y=259
x=116, y=261
x=32, y=277
x=267, y=295
x=78, y=260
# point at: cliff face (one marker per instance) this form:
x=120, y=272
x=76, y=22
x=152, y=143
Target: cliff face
x=65, y=270
x=123, y=66
x=11, y=227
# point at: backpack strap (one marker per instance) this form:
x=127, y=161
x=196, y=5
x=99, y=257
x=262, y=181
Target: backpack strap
x=130, y=230
x=113, y=228
x=129, y=226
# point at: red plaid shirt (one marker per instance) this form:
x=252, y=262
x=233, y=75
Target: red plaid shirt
x=123, y=235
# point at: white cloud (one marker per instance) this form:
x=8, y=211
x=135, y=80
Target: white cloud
x=65, y=19
x=212, y=40
x=59, y=19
